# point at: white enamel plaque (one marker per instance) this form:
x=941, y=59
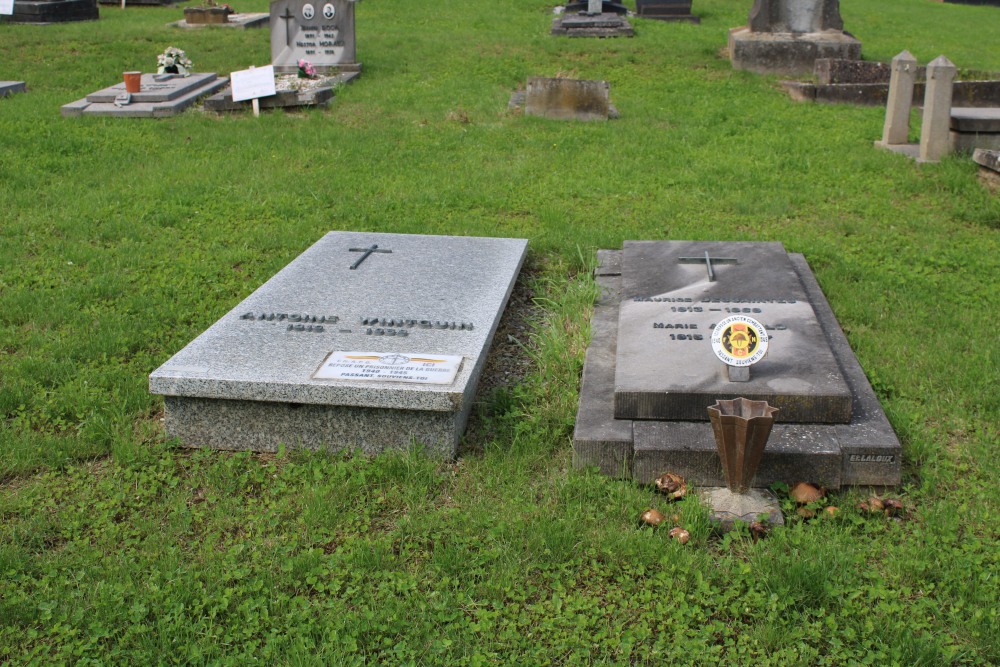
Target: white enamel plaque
x=739, y=340
x=390, y=367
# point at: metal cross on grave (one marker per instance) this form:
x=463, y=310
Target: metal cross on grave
x=707, y=261
x=287, y=17
x=374, y=248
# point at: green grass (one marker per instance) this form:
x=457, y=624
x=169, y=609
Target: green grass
x=121, y=240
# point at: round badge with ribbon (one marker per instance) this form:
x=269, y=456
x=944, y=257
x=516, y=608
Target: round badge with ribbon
x=739, y=340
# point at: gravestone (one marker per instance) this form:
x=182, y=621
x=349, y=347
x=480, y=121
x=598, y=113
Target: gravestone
x=650, y=372
x=161, y=95
x=11, y=87
x=593, y=18
x=52, y=11
x=788, y=36
x=666, y=10
x=370, y=341
x=241, y=20
x=568, y=99
x=321, y=32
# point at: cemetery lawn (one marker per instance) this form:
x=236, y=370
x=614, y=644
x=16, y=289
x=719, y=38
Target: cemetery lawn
x=121, y=240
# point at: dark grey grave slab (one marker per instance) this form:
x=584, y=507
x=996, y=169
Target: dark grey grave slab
x=864, y=451
x=11, y=87
x=43, y=12
x=244, y=20
x=161, y=95
x=248, y=381
x=318, y=96
x=666, y=368
x=320, y=32
x=606, y=20
x=973, y=128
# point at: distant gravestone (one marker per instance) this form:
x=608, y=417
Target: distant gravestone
x=11, y=87
x=567, y=99
x=51, y=11
x=593, y=18
x=651, y=373
x=789, y=36
x=365, y=341
x=160, y=95
x=319, y=31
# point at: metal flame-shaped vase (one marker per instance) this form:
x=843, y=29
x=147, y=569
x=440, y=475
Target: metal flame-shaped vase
x=741, y=429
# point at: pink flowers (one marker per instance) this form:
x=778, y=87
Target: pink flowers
x=306, y=69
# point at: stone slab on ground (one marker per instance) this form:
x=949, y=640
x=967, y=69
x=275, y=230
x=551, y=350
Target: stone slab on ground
x=984, y=93
x=865, y=451
x=245, y=20
x=11, y=87
x=987, y=158
x=248, y=382
x=567, y=99
x=666, y=368
x=44, y=12
x=726, y=507
x=973, y=128
x=161, y=95
x=788, y=53
x=284, y=99
x=600, y=25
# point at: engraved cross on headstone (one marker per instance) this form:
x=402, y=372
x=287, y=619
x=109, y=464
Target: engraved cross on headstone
x=287, y=17
x=374, y=248
x=707, y=261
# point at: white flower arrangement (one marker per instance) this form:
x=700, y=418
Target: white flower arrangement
x=173, y=61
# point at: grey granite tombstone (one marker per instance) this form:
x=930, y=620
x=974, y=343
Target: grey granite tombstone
x=11, y=87
x=319, y=31
x=650, y=372
x=160, y=95
x=593, y=18
x=788, y=36
x=348, y=347
x=52, y=11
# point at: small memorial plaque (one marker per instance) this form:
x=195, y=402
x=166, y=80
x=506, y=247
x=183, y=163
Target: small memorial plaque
x=252, y=83
x=390, y=367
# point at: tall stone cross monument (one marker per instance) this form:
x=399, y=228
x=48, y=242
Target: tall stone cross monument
x=319, y=31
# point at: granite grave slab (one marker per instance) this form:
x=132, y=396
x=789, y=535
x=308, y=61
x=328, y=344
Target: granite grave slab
x=666, y=10
x=243, y=20
x=160, y=95
x=43, y=12
x=352, y=345
x=11, y=87
x=568, y=99
x=863, y=450
x=319, y=32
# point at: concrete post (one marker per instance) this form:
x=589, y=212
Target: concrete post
x=935, y=135
x=897, y=109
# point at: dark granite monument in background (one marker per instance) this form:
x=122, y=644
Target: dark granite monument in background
x=52, y=11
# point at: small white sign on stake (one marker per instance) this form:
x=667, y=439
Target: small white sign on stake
x=7, y=7
x=253, y=83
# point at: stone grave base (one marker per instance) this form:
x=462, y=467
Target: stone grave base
x=727, y=507
x=247, y=20
x=865, y=451
x=973, y=128
x=52, y=11
x=132, y=3
x=598, y=25
x=787, y=53
x=11, y=87
x=161, y=95
x=565, y=99
x=318, y=96
x=262, y=426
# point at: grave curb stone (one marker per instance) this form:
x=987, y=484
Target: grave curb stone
x=12, y=87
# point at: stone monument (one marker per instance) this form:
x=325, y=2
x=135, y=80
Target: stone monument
x=365, y=341
x=593, y=18
x=159, y=96
x=651, y=373
x=788, y=36
x=666, y=10
x=319, y=32
x=52, y=11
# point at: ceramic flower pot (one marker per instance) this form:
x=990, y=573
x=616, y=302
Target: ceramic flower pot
x=741, y=429
x=133, y=82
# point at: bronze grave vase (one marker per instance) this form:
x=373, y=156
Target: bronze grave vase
x=741, y=429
